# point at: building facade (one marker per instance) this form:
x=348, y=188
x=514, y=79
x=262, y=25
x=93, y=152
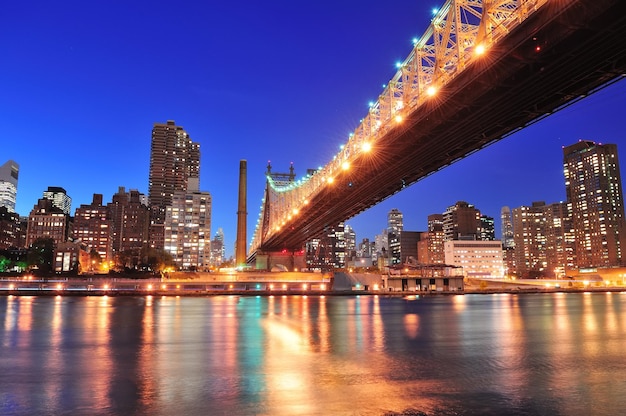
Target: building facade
x=188, y=230
x=593, y=187
x=9, y=173
x=461, y=221
x=92, y=229
x=59, y=198
x=174, y=161
x=47, y=221
x=479, y=259
x=130, y=219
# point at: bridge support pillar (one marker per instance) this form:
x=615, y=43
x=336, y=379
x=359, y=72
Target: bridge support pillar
x=281, y=261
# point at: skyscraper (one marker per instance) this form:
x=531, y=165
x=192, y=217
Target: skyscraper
x=594, y=195
x=395, y=224
x=9, y=173
x=174, y=167
x=506, y=223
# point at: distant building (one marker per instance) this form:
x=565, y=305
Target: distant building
x=349, y=237
x=59, y=198
x=461, y=221
x=430, y=247
x=188, y=230
x=218, y=250
x=174, y=161
x=328, y=252
x=9, y=173
x=506, y=224
x=593, y=187
x=47, y=221
x=543, y=240
x=129, y=226
x=408, y=246
x=92, y=228
x=487, y=228
x=10, y=229
x=395, y=225
x=479, y=259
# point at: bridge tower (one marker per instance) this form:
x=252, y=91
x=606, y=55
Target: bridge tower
x=286, y=259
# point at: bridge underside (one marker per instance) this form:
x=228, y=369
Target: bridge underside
x=558, y=55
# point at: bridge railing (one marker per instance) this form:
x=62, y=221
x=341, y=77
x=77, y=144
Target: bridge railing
x=459, y=33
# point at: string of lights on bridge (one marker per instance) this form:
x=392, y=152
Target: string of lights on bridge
x=460, y=32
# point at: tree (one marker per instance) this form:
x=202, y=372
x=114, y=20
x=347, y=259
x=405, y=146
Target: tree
x=40, y=255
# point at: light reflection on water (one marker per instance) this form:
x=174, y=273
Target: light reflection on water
x=527, y=354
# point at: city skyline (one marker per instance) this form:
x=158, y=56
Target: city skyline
x=85, y=94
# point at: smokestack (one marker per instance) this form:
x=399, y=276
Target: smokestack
x=240, y=254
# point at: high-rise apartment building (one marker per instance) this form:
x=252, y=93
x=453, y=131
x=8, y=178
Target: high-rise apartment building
x=174, y=159
x=9, y=173
x=543, y=240
x=129, y=226
x=593, y=187
x=59, y=198
x=92, y=228
x=188, y=230
x=461, y=221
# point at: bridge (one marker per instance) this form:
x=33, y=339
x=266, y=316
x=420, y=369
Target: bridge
x=482, y=70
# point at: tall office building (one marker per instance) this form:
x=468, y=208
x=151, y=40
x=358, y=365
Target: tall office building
x=59, y=198
x=487, y=228
x=218, y=249
x=9, y=173
x=594, y=193
x=395, y=224
x=174, y=167
x=506, y=223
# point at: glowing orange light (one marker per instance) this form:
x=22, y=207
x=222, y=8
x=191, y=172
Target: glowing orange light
x=480, y=49
x=431, y=91
x=366, y=147
x=345, y=166
x=398, y=118
x=330, y=179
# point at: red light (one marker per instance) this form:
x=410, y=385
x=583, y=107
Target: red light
x=538, y=48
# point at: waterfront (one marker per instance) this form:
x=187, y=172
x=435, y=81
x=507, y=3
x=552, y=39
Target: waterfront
x=544, y=353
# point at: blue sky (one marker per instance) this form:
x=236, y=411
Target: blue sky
x=83, y=83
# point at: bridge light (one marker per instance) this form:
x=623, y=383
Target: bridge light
x=480, y=49
x=415, y=40
x=398, y=65
x=367, y=146
x=330, y=179
x=398, y=118
x=306, y=202
x=371, y=104
x=295, y=211
x=345, y=166
x=434, y=10
x=431, y=91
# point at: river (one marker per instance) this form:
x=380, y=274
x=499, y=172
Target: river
x=502, y=354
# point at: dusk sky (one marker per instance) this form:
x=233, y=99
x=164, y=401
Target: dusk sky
x=83, y=82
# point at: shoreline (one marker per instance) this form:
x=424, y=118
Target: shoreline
x=266, y=293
